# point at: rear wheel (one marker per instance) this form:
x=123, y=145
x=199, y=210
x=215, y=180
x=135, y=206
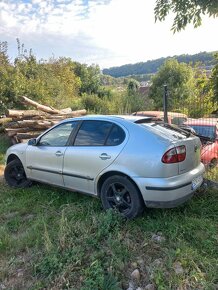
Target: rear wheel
x=15, y=175
x=120, y=193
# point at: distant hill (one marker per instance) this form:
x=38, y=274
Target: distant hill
x=151, y=66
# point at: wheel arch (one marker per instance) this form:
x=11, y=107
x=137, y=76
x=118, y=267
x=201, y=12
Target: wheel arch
x=111, y=173
x=12, y=157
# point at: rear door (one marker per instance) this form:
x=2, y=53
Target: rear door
x=95, y=147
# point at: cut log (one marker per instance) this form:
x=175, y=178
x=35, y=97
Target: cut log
x=13, y=124
x=27, y=123
x=39, y=106
x=43, y=125
x=66, y=111
x=56, y=117
x=55, y=122
x=37, y=123
x=23, y=113
x=75, y=114
x=28, y=135
x=13, y=132
x=23, y=140
x=63, y=116
x=4, y=121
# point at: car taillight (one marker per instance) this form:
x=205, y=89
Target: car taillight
x=174, y=155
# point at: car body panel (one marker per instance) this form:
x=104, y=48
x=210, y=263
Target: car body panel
x=138, y=157
x=18, y=150
x=87, y=165
x=45, y=164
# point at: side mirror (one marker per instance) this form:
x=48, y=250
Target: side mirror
x=32, y=142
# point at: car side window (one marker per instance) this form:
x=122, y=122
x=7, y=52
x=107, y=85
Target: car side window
x=58, y=136
x=116, y=136
x=93, y=133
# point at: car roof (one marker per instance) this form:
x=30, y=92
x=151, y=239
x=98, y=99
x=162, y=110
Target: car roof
x=133, y=119
x=202, y=121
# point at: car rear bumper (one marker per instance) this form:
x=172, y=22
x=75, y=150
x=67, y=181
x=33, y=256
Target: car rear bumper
x=172, y=191
x=170, y=203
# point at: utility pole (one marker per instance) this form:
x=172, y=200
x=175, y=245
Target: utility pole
x=165, y=103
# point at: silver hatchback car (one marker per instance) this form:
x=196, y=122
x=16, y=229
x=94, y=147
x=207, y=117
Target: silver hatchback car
x=128, y=161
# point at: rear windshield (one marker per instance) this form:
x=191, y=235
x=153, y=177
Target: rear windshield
x=206, y=131
x=173, y=128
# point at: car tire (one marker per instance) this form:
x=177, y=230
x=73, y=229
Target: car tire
x=119, y=193
x=15, y=175
x=213, y=163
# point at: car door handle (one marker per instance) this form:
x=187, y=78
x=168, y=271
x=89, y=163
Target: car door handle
x=59, y=153
x=104, y=156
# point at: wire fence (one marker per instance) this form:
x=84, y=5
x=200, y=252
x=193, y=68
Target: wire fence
x=198, y=118
x=205, y=126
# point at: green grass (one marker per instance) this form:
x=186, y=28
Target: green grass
x=212, y=174
x=55, y=239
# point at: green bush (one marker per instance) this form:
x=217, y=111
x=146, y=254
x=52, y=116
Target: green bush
x=94, y=104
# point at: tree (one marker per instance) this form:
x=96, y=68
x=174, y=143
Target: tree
x=52, y=82
x=133, y=87
x=214, y=79
x=201, y=104
x=6, y=76
x=179, y=78
x=186, y=11
x=89, y=76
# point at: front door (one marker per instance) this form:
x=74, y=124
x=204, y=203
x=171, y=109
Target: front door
x=44, y=161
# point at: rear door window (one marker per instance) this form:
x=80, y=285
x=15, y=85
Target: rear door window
x=93, y=133
x=116, y=137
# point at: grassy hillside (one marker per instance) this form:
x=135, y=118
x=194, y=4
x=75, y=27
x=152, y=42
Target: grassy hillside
x=54, y=239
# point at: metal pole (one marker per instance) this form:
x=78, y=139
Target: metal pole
x=165, y=99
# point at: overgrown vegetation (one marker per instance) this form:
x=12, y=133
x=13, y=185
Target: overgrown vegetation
x=190, y=89
x=54, y=239
x=64, y=83
x=61, y=83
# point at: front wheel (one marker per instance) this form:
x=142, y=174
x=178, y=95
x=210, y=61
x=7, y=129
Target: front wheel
x=15, y=175
x=120, y=193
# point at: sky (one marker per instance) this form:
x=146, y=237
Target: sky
x=105, y=32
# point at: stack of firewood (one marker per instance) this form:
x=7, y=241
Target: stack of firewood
x=21, y=125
